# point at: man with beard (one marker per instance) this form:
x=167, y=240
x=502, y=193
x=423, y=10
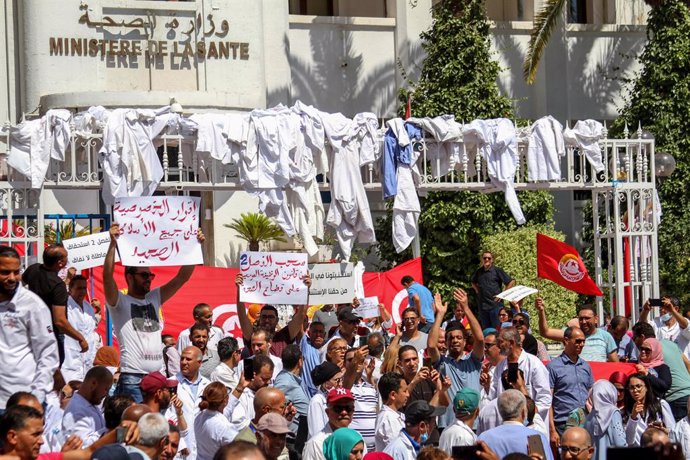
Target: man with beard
x=198, y=334
x=340, y=408
x=160, y=395
x=83, y=415
x=229, y=355
x=242, y=397
x=190, y=388
x=135, y=316
x=26, y=335
x=203, y=314
x=492, y=355
x=310, y=346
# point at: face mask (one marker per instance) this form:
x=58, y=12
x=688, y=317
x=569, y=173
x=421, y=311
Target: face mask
x=424, y=438
x=666, y=318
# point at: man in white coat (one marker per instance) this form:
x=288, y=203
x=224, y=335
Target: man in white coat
x=189, y=389
x=83, y=318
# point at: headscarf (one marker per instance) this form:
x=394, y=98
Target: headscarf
x=107, y=356
x=657, y=355
x=338, y=445
x=619, y=377
x=604, y=405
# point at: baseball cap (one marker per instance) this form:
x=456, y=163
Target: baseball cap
x=274, y=423
x=347, y=314
x=466, y=400
x=323, y=373
x=489, y=330
x=339, y=394
x=156, y=381
x=419, y=411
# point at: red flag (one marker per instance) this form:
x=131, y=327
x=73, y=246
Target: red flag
x=562, y=264
x=408, y=108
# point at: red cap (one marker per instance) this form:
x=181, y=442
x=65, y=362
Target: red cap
x=338, y=394
x=156, y=381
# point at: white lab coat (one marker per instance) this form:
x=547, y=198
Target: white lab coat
x=190, y=408
x=76, y=363
x=445, y=153
x=586, y=135
x=406, y=207
x=497, y=142
x=546, y=147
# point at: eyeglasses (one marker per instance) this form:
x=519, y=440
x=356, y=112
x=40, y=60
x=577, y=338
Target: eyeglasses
x=519, y=322
x=645, y=350
x=146, y=275
x=503, y=314
x=339, y=349
x=636, y=387
x=344, y=407
x=572, y=450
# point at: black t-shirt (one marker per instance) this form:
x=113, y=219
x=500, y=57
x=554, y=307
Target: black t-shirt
x=424, y=391
x=490, y=283
x=46, y=284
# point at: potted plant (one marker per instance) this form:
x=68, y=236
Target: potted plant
x=256, y=228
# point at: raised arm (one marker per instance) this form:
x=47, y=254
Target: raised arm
x=109, y=285
x=644, y=314
x=171, y=287
x=297, y=320
x=680, y=319
x=432, y=344
x=245, y=324
x=460, y=297
x=544, y=329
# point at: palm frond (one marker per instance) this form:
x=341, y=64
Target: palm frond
x=544, y=23
x=256, y=228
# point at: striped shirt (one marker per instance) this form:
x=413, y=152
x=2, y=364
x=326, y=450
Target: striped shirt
x=366, y=411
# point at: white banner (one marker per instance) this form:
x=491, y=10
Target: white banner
x=273, y=277
x=516, y=293
x=158, y=230
x=87, y=251
x=331, y=283
x=368, y=308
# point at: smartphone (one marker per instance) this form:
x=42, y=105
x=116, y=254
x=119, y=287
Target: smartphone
x=248, y=369
x=120, y=433
x=535, y=446
x=426, y=362
x=362, y=341
x=512, y=372
x=654, y=302
x=173, y=390
x=465, y=453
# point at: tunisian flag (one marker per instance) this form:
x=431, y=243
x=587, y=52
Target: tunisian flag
x=561, y=263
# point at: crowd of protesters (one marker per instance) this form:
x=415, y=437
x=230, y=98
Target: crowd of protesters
x=443, y=383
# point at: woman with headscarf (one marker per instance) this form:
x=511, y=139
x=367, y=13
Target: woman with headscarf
x=605, y=423
x=652, y=365
x=344, y=444
x=643, y=409
x=619, y=380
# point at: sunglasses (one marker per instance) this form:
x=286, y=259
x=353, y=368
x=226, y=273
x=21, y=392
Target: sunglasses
x=146, y=275
x=579, y=341
x=344, y=407
x=519, y=322
x=487, y=258
x=410, y=320
x=488, y=345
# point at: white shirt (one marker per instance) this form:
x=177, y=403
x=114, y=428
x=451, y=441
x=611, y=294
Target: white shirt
x=536, y=381
x=277, y=367
x=137, y=325
x=388, y=426
x=458, y=434
x=83, y=319
x=226, y=375
x=681, y=435
x=29, y=349
x=316, y=415
x=401, y=448
x=211, y=431
x=190, y=407
x=52, y=428
x=244, y=412
x=635, y=428
x=83, y=419
x=214, y=335
x=546, y=147
x=313, y=449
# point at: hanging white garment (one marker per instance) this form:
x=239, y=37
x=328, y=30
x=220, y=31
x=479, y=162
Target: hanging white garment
x=445, y=153
x=212, y=135
x=497, y=143
x=33, y=143
x=313, y=134
x=545, y=149
x=87, y=122
x=367, y=126
x=349, y=211
x=128, y=157
x=586, y=135
x=406, y=208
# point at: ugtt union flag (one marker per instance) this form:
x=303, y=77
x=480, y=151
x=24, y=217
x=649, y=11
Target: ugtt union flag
x=561, y=263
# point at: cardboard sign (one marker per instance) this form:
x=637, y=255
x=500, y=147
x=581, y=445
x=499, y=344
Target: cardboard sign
x=516, y=293
x=331, y=283
x=158, y=231
x=273, y=278
x=87, y=251
x=368, y=308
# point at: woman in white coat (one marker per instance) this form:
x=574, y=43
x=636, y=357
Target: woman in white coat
x=212, y=429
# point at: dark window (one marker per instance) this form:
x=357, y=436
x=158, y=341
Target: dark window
x=577, y=11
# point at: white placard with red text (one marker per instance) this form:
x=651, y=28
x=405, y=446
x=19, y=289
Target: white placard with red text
x=158, y=230
x=273, y=278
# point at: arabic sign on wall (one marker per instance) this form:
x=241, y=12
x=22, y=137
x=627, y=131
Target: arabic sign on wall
x=273, y=278
x=331, y=283
x=87, y=251
x=158, y=231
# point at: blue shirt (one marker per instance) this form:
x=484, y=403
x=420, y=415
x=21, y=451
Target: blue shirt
x=570, y=383
x=426, y=300
x=462, y=373
x=512, y=437
x=393, y=155
x=598, y=346
x=627, y=349
x=312, y=358
x=291, y=385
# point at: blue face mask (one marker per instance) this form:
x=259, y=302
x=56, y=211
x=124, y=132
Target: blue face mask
x=666, y=318
x=424, y=438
